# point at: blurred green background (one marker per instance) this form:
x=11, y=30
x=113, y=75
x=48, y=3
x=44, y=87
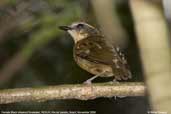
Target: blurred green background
x=35, y=53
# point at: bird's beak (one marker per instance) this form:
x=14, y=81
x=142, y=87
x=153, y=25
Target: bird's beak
x=65, y=28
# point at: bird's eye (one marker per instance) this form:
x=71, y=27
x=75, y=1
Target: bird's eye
x=80, y=26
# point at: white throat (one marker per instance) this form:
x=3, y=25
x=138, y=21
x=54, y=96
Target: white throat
x=76, y=37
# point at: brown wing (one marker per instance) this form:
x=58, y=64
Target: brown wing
x=95, y=49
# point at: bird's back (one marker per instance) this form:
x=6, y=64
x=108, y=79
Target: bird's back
x=99, y=54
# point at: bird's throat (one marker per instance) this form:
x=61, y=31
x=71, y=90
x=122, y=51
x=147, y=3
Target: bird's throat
x=77, y=37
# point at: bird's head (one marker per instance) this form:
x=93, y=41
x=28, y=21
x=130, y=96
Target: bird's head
x=80, y=30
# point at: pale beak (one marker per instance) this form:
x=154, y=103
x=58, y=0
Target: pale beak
x=65, y=28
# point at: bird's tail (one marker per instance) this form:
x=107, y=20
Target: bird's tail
x=122, y=73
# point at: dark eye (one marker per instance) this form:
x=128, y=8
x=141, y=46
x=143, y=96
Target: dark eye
x=80, y=26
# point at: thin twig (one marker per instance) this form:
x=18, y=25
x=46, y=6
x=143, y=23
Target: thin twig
x=77, y=91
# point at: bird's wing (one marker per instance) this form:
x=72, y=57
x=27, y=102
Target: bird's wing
x=96, y=50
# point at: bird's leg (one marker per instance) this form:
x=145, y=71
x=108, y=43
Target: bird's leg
x=88, y=82
x=92, y=78
x=115, y=81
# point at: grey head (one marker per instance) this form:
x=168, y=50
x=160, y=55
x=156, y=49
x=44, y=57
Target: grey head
x=80, y=30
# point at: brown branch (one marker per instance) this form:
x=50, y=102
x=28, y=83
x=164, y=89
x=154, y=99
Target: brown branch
x=78, y=91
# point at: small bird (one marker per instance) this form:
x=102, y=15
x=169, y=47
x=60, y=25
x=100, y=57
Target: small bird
x=93, y=54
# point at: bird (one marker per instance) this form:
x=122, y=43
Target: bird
x=93, y=54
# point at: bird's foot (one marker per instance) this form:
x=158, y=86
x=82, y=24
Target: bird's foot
x=89, y=81
x=115, y=81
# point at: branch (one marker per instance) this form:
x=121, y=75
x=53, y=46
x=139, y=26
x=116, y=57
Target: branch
x=78, y=91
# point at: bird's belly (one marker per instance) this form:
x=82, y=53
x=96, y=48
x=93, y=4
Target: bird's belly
x=94, y=68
